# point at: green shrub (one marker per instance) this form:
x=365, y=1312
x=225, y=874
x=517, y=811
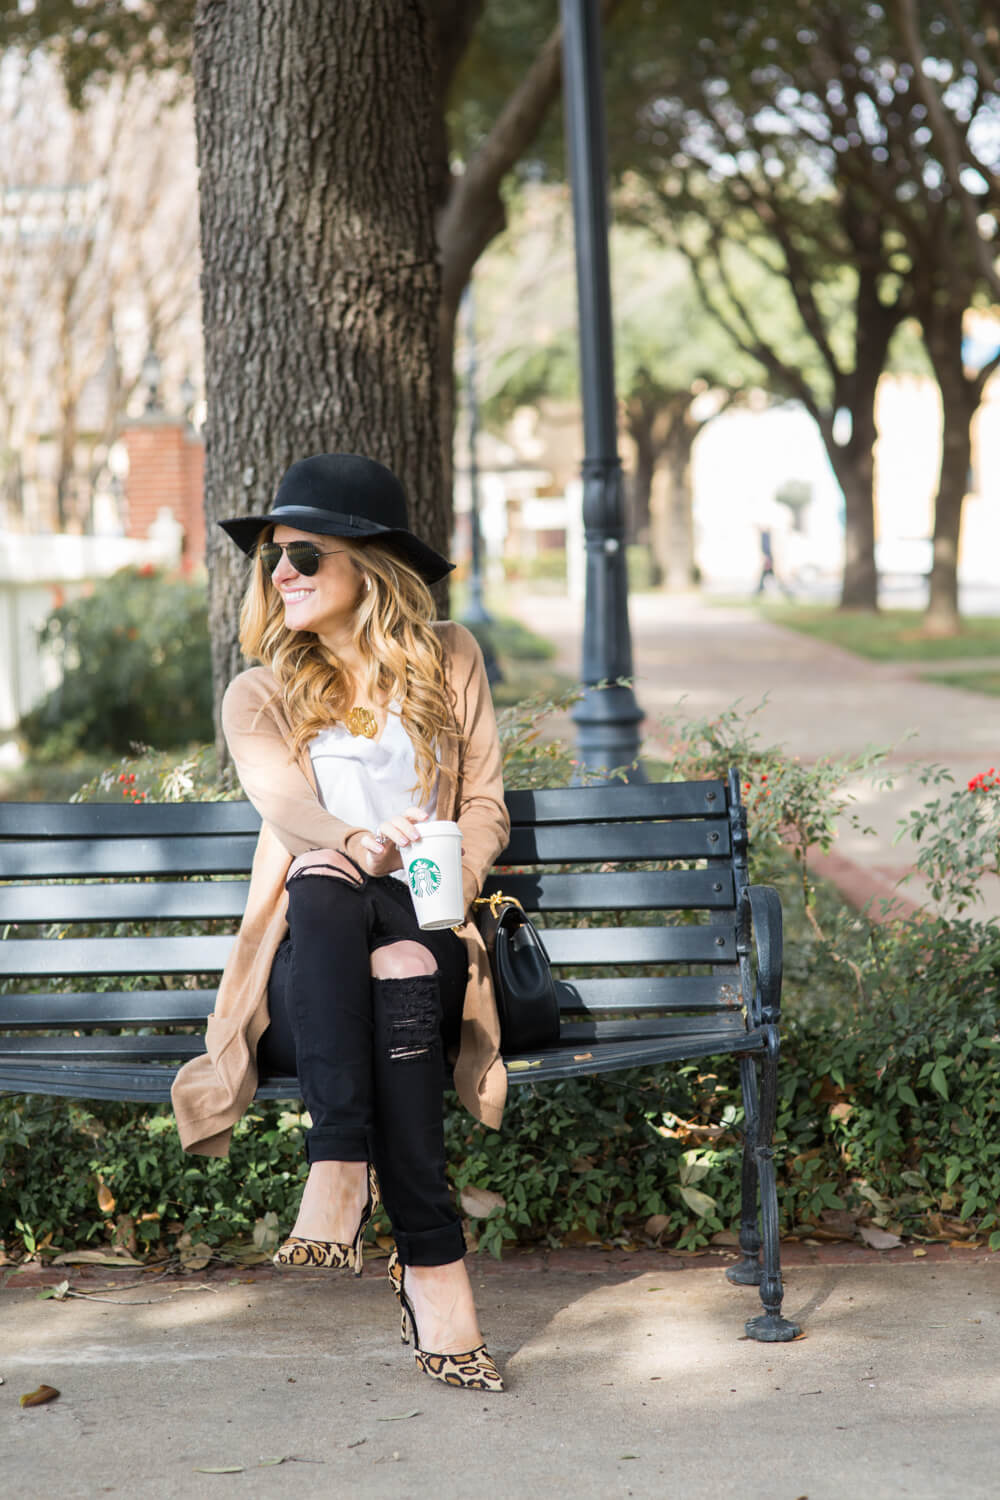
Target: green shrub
x=136, y=668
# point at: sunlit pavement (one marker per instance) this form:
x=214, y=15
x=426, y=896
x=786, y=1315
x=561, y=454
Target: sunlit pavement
x=695, y=657
x=624, y=1377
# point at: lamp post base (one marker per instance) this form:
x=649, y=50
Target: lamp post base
x=607, y=731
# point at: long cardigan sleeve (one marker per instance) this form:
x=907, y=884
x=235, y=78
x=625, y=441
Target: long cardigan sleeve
x=211, y=1092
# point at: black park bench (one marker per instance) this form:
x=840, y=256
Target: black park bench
x=688, y=964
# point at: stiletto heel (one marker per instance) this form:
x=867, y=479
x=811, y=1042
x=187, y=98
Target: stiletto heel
x=330, y=1253
x=474, y=1371
x=394, y=1271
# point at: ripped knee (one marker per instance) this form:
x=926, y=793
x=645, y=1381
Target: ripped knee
x=325, y=862
x=412, y=1016
x=398, y=960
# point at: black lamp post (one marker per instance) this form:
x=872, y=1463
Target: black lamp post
x=607, y=720
x=475, y=610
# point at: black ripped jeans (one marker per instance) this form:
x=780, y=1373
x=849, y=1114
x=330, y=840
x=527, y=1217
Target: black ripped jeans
x=369, y=1053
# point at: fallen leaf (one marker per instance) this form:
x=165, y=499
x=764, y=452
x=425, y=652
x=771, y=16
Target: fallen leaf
x=585, y=1057
x=271, y=1463
x=266, y=1233
x=94, y=1258
x=58, y=1293
x=656, y=1224
x=879, y=1239
x=479, y=1203
x=195, y=1257
x=518, y=1065
x=221, y=1469
x=357, y=1442
x=401, y=1416
x=38, y=1398
x=105, y=1199
x=919, y=1250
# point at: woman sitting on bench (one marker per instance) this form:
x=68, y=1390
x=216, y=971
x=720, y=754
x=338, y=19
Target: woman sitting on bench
x=364, y=720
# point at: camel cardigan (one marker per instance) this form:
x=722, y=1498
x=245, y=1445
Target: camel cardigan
x=212, y=1092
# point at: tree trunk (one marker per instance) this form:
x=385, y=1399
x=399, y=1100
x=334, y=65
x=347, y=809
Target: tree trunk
x=678, y=561
x=855, y=471
x=959, y=399
x=321, y=284
x=854, y=461
x=639, y=425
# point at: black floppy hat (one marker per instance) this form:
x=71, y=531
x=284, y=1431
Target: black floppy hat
x=343, y=494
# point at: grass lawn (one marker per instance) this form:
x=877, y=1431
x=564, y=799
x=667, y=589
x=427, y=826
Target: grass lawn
x=973, y=682
x=891, y=635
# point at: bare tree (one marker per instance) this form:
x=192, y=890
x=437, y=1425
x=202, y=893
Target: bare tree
x=98, y=261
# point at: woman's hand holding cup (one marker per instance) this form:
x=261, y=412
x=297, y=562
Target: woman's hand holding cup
x=381, y=848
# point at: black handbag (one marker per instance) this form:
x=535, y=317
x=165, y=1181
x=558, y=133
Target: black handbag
x=522, y=980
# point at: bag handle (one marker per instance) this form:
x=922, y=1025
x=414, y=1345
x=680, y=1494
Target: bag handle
x=495, y=901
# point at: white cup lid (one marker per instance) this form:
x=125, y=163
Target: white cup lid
x=440, y=829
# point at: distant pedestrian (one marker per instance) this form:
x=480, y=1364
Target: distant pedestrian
x=768, y=572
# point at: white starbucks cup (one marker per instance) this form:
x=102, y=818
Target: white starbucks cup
x=433, y=865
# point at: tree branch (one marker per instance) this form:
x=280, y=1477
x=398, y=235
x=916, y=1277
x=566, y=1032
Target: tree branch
x=944, y=135
x=473, y=212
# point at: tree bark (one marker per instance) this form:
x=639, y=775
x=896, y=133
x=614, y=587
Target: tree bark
x=321, y=283
x=678, y=564
x=960, y=396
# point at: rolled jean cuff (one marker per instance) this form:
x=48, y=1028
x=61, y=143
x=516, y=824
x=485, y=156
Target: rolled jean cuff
x=326, y=1144
x=431, y=1247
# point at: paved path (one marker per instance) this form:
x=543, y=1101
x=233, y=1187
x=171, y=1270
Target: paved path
x=620, y=1383
x=694, y=657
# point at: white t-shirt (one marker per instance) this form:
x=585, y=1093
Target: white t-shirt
x=366, y=781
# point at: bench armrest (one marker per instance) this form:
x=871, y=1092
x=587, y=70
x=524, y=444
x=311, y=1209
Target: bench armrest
x=765, y=916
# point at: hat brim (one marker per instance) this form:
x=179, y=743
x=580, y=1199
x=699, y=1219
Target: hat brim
x=245, y=532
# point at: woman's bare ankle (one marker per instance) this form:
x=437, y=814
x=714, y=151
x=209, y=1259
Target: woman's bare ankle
x=444, y=1308
x=333, y=1201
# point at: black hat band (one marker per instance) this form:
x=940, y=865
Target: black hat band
x=360, y=523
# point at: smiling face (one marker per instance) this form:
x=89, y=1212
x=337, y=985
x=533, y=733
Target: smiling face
x=326, y=602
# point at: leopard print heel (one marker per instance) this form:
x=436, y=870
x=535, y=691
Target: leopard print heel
x=475, y=1371
x=330, y=1254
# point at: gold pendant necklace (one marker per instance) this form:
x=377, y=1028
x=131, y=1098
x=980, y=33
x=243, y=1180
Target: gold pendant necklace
x=362, y=721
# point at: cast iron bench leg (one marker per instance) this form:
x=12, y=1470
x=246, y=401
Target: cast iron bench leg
x=748, y=1272
x=770, y=1327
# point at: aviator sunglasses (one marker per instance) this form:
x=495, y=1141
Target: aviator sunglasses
x=303, y=556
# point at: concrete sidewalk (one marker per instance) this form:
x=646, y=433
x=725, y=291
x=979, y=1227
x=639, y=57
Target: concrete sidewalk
x=622, y=1380
x=697, y=658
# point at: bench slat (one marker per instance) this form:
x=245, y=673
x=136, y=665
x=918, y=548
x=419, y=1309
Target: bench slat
x=598, y=804
x=89, y=857
x=38, y=957
x=623, y=890
x=706, y=838
x=639, y=945
x=148, y=1084
x=113, y=1008
x=106, y=1008
x=648, y=993
x=158, y=900
x=83, y=820
x=128, y=1047
x=152, y=955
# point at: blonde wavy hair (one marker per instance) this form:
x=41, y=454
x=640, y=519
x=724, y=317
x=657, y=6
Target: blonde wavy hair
x=403, y=656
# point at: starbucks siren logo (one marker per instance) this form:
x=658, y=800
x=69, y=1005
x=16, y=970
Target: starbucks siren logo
x=425, y=877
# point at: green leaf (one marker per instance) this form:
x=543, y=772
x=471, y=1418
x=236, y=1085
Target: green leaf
x=907, y=1095
x=699, y=1203
x=938, y=1081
